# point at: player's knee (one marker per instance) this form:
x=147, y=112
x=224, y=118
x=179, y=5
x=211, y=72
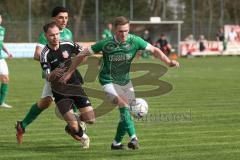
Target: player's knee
x=45, y=102
x=91, y=118
x=119, y=101
x=91, y=121
x=48, y=100
x=4, y=79
x=88, y=117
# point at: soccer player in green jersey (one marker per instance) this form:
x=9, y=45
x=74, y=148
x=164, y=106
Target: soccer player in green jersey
x=60, y=16
x=118, y=53
x=4, y=78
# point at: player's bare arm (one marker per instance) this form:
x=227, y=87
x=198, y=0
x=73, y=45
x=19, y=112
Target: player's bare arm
x=54, y=75
x=37, y=53
x=159, y=54
x=5, y=50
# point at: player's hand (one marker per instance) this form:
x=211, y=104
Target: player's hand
x=56, y=74
x=65, y=78
x=10, y=56
x=174, y=63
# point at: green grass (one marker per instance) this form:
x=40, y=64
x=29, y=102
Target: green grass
x=198, y=119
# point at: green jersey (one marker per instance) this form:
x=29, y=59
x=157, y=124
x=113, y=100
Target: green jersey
x=117, y=58
x=65, y=34
x=2, y=35
x=106, y=33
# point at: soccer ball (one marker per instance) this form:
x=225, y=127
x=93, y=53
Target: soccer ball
x=139, y=108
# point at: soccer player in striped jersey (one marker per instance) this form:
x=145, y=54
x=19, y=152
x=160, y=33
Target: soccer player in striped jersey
x=118, y=52
x=56, y=56
x=60, y=16
x=4, y=78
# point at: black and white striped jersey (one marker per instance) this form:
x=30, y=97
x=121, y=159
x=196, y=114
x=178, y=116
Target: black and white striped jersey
x=61, y=58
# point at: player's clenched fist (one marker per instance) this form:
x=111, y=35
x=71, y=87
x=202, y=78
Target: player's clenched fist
x=174, y=63
x=56, y=74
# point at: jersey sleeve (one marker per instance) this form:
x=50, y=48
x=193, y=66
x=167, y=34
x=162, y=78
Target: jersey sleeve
x=76, y=48
x=42, y=40
x=142, y=44
x=46, y=67
x=97, y=47
x=70, y=35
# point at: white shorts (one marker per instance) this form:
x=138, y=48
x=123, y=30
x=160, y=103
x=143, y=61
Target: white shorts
x=3, y=67
x=114, y=90
x=47, y=90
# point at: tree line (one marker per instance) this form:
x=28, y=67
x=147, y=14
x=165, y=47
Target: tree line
x=206, y=16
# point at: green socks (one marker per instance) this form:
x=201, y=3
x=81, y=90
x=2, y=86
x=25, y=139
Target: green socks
x=31, y=115
x=120, y=132
x=126, y=124
x=3, y=92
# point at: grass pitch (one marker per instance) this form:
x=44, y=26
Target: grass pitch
x=198, y=119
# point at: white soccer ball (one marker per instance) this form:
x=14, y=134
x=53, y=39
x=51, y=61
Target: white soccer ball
x=139, y=108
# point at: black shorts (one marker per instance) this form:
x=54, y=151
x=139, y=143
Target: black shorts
x=78, y=101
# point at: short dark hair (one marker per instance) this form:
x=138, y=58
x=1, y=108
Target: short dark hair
x=49, y=25
x=120, y=21
x=58, y=10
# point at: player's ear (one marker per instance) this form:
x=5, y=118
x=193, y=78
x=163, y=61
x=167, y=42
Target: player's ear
x=54, y=19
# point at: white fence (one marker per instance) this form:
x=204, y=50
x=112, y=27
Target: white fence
x=21, y=50
x=26, y=50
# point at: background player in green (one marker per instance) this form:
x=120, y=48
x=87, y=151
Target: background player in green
x=4, y=78
x=60, y=16
x=107, y=32
x=118, y=53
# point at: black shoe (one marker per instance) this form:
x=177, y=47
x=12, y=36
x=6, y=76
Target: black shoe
x=118, y=147
x=133, y=144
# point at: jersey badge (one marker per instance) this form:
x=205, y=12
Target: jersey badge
x=65, y=54
x=128, y=46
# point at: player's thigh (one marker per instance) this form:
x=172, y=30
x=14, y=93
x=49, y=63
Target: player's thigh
x=129, y=92
x=87, y=114
x=47, y=96
x=47, y=90
x=45, y=102
x=115, y=94
x=64, y=106
x=4, y=71
x=4, y=78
